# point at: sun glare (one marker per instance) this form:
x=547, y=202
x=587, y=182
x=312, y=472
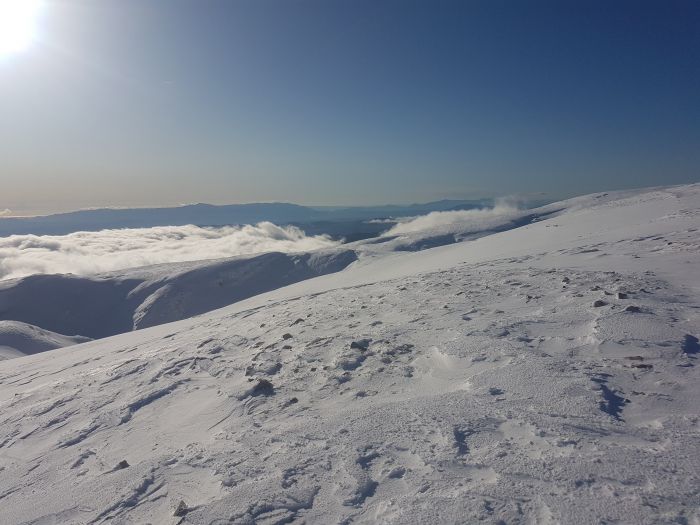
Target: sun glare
x=17, y=25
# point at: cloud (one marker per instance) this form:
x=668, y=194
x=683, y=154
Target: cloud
x=6, y=212
x=86, y=253
x=505, y=209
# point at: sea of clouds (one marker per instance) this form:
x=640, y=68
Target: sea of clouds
x=504, y=209
x=85, y=253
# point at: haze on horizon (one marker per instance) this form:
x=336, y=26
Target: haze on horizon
x=131, y=103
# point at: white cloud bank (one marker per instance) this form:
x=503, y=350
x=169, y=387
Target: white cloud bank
x=505, y=209
x=85, y=253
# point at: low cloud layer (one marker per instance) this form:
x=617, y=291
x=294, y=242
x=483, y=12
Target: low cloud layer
x=85, y=253
x=464, y=220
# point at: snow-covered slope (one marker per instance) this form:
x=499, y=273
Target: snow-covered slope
x=117, y=302
x=20, y=339
x=546, y=374
x=120, y=301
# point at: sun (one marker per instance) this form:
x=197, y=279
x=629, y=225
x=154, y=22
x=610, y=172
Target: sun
x=18, y=19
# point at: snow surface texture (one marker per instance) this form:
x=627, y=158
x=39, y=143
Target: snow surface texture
x=546, y=374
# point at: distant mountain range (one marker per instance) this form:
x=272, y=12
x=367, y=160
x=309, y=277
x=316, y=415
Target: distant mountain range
x=213, y=215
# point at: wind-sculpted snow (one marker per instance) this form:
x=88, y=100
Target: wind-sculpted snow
x=88, y=253
x=493, y=391
x=542, y=375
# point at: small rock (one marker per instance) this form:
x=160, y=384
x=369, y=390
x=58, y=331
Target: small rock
x=690, y=345
x=287, y=336
x=181, y=509
x=402, y=349
x=263, y=388
x=599, y=303
x=397, y=472
x=122, y=465
x=263, y=368
x=362, y=344
x=633, y=309
x=622, y=295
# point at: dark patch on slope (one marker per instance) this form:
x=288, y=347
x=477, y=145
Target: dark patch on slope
x=690, y=345
x=612, y=402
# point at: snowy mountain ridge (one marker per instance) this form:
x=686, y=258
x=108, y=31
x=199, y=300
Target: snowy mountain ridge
x=543, y=374
x=109, y=303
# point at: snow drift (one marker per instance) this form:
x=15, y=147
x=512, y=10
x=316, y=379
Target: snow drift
x=19, y=339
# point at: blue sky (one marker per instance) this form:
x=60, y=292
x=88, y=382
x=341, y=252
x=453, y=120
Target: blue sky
x=159, y=102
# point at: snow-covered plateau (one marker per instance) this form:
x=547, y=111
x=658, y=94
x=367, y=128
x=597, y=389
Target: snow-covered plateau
x=542, y=369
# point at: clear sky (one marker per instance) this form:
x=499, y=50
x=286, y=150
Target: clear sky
x=160, y=102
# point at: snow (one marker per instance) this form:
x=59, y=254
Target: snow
x=471, y=382
x=19, y=339
x=103, y=304
x=108, y=304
